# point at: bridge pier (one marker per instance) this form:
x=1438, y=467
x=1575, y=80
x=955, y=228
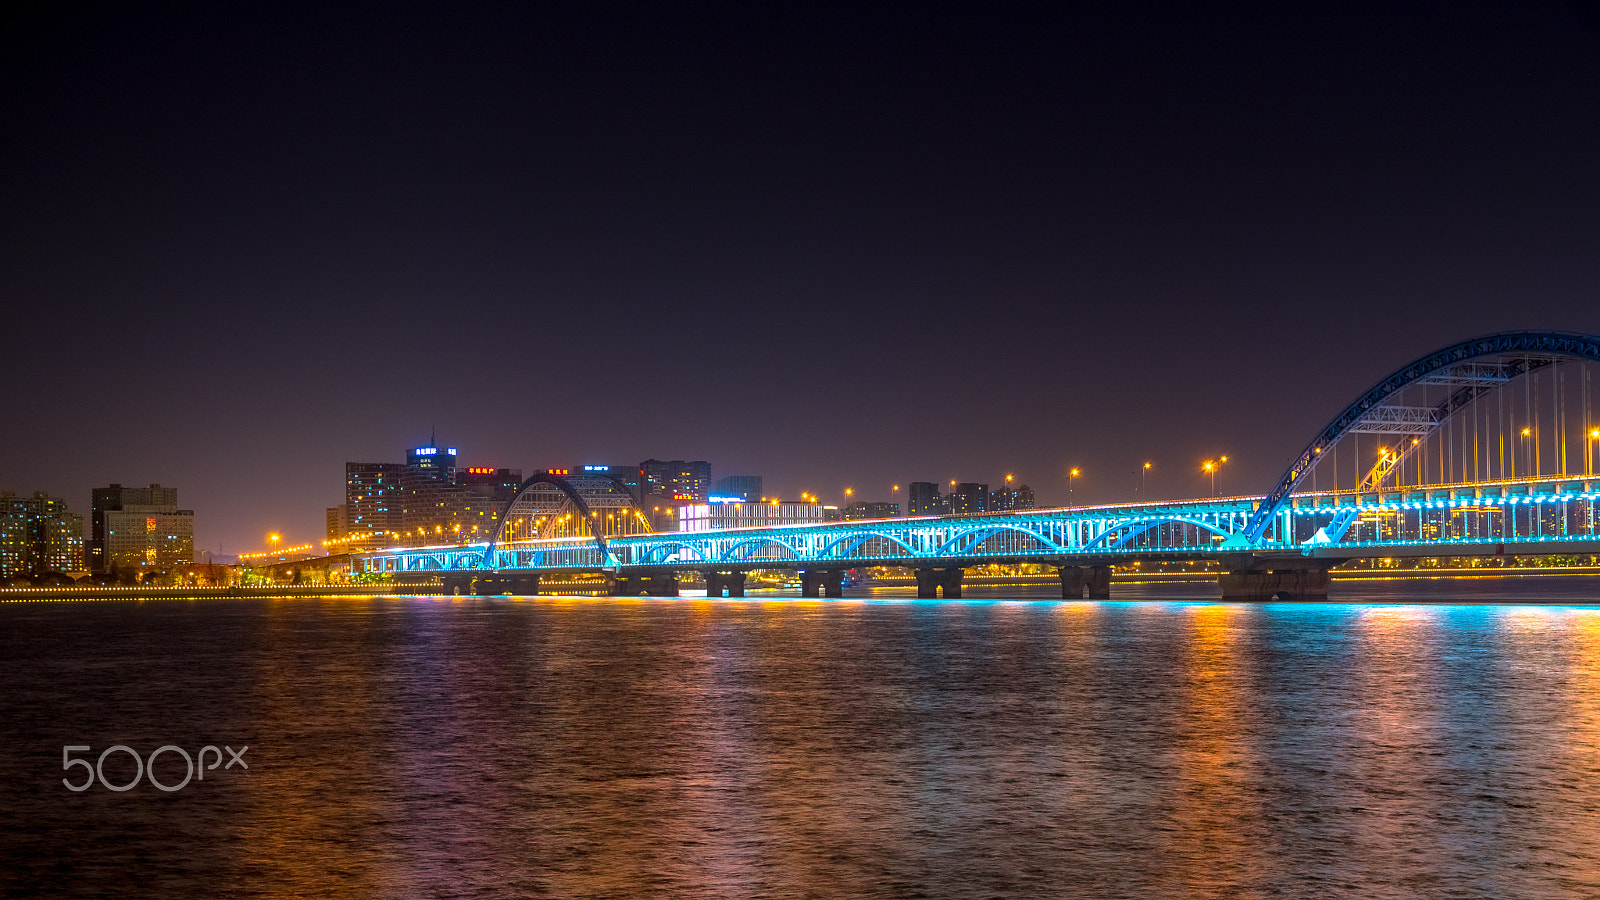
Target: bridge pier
x=1074, y=579
x=1274, y=584
x=654, y=584
x=822, y=583
x=1099, y=582
x=732, y=582
x=931, y=581
x=1071, y=582
x=661, y=584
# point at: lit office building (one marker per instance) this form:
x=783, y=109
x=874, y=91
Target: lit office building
x=37, y=535
x=426, y=485
x=675, y=479
x=745, y=487
x=715, y=516
x=922, y=499
x=371, y=506
x=1020, y=497
x=857, y=511
x=967, y=498
x=139, y=529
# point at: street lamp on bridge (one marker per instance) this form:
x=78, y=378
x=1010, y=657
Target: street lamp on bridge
x=1210, y=467
x=1071, y=476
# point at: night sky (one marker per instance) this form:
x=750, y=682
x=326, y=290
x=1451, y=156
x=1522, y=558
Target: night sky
x=244, y=244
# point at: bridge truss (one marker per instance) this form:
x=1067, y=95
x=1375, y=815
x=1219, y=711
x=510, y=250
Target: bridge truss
x=1532, y=516
x=1475, y=455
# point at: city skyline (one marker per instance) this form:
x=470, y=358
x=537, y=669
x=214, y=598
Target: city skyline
x=838, y=252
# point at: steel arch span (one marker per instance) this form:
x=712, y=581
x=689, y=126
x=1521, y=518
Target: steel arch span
x=1120, y=535
x=573, y=496
x=1371, y=403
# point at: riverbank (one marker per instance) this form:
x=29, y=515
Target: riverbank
x=99, y=592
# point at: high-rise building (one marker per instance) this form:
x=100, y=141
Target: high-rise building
x=438, y=462
x=37, y=535
x=139, y=529
x=922, y=499
x=1020, y=497
x=428, y=499
x=675, y=481
x=714, y=516
x=482, y=492
x=745, y=487
x=372, y=504
x=864, y=510
x=631, y=476
x=426, y=485
x=967, y=498
x=338, y=524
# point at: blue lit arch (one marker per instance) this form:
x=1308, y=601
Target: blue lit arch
x=660, y=553
x=856, y=540
x=977, y=536
x=730, y=557
x=1143, y=525
x=1549, y=343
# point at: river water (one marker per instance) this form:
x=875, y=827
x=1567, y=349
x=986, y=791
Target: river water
x=1428, y=739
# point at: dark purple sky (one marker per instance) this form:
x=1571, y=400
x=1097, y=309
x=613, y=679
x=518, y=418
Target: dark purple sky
x=243, y=245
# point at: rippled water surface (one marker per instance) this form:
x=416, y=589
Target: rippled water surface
x=1430, y=741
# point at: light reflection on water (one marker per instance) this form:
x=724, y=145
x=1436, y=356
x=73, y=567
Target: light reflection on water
x=777, y=747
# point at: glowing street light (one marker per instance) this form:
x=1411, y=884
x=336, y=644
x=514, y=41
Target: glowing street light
x=1071, y=477
x=1210, y=467
x=1144, y=477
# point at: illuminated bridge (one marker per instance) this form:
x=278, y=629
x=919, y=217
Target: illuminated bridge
x=1484, y=448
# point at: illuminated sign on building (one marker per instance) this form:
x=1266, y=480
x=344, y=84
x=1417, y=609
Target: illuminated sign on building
x=718, y=498
x=558, y=471
x=597, y=468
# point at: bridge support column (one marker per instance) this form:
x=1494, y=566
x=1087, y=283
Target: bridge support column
x=930, y=582
x=1294, y=584
x=1071, y=582
x=524, y=585
x=621, y=586
x=456, y=585
x=663, y=584
x=731, y=582
x=1075, y=578
x=1099, y=582
x=485, y=586
x=822, y=583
